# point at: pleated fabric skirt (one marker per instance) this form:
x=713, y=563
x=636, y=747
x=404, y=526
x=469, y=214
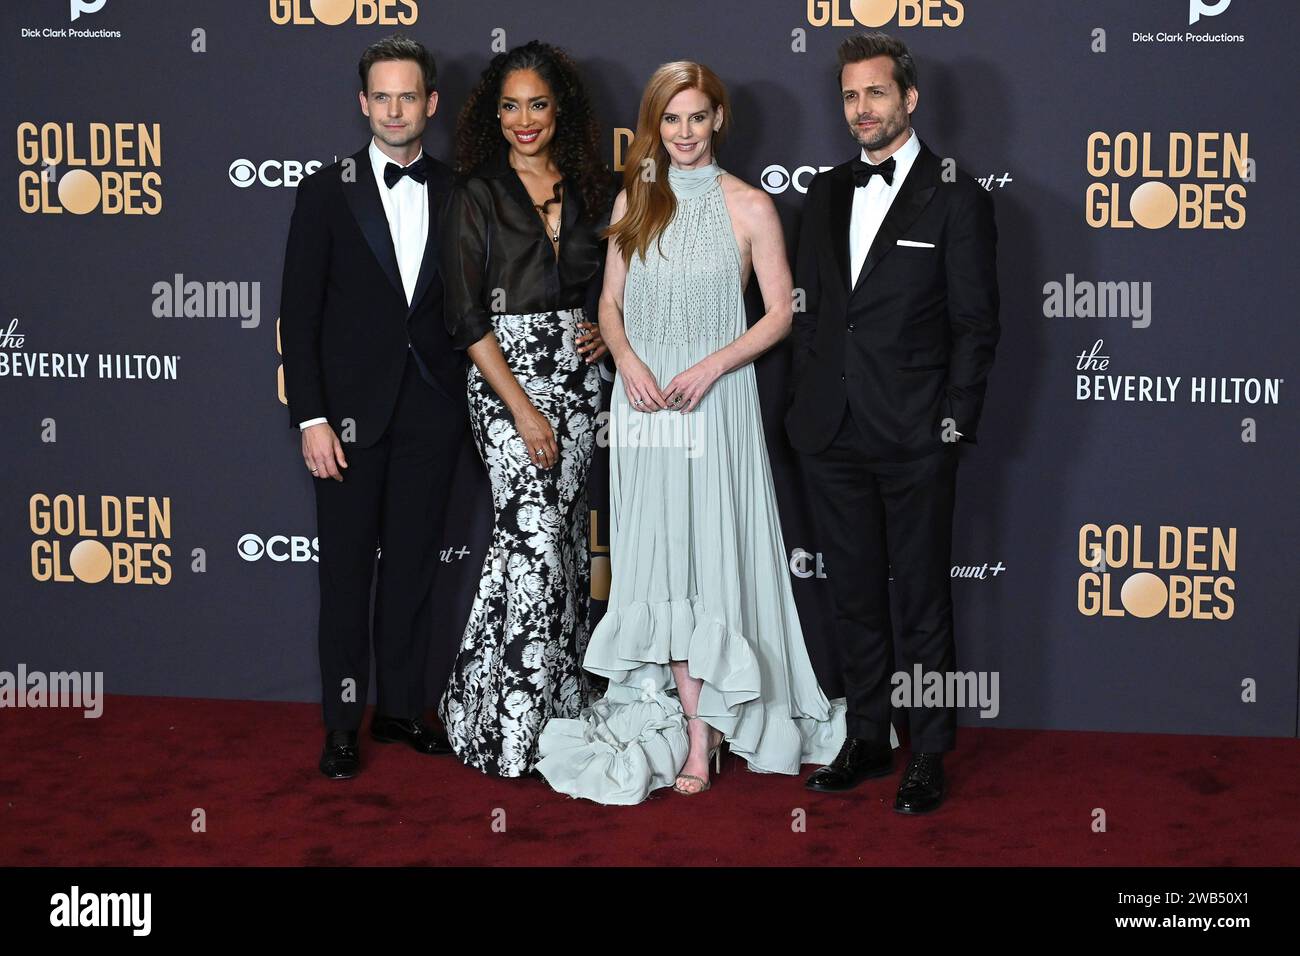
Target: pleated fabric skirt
x=700, y=574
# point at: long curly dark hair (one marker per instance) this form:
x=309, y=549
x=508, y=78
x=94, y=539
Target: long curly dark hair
x=575, y=148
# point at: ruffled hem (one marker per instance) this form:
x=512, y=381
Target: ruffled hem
x=634, y=739
x=653, y=633
x=615, y=753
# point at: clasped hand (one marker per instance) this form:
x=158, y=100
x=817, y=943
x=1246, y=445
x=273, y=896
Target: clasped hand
x=682, y=394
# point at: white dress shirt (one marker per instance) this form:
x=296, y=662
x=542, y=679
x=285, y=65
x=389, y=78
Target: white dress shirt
x=407, y=207
x=872, y=201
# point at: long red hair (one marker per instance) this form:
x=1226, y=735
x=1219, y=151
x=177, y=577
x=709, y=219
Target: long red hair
x=650, y=201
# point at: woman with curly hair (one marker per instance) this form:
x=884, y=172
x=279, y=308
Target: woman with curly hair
x=521, y=250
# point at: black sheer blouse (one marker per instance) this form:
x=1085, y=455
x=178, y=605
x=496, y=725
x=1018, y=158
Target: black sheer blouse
x=493, y=239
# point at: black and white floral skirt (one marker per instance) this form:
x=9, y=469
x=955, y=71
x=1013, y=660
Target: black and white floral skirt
x=520, y=660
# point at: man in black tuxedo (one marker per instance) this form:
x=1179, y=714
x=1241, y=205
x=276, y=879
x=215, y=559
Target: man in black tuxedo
x=378, y=393
x=896, y=261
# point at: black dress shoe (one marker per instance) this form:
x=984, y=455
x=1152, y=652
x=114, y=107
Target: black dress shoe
x=340, y=759
x=414, y=733
x=923, y=787
x=857, y=760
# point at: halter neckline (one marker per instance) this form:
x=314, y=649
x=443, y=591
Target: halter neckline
x=687, y=183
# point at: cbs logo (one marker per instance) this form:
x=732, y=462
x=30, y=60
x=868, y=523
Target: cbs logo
x=272, y=172
x=799, y=561
x=777, y=179
x=278, y=547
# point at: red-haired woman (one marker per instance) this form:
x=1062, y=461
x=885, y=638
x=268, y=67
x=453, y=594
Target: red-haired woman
x=700, y=599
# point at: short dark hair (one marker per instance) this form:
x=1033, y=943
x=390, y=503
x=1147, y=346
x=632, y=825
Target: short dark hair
x=398, y=47
x=877, y=43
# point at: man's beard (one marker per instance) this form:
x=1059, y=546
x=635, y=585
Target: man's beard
x=884, y=135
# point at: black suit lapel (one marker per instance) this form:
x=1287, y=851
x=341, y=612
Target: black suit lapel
x=436, y=191
x=368, y=209
x=917, y=190
x=841, y=212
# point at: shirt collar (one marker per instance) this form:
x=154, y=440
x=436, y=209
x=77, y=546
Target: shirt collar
x=378, y=160
x=903, y=157
x=497, y=165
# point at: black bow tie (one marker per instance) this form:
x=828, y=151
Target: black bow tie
x=393, y=173
x=862, y=172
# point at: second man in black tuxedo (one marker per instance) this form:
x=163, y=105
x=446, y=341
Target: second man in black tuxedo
x=896, y=262
x=378, y=392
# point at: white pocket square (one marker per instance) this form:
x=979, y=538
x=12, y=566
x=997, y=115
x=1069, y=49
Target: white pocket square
x=916, y=245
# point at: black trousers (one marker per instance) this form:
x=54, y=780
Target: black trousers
x=875, y=517
x=393, y=495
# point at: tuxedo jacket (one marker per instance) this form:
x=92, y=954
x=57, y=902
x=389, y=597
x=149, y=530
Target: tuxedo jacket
x=911, y=342
x=345, y=325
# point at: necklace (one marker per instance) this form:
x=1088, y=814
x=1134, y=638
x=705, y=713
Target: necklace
x=552, y=230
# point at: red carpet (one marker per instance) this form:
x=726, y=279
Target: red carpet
x=121, y=790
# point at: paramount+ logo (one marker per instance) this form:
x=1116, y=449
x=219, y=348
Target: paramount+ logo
x=89, y=539
x=877, y=13
x=1175, y=572
x=111, y=168
x=332, y=13
x=1197, y=180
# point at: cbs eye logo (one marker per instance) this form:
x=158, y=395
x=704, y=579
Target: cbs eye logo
x=271, y=172
x=776, y=179
x=279, y=548
x=335, y=12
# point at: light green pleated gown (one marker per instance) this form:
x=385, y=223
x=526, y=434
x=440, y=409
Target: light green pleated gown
x=699, y=565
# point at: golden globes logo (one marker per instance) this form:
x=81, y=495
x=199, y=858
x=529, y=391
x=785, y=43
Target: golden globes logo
x=1196, y=179
x=81, y=168
x=1176, y=572
x=877, y=13
x=334, y=12
x=74, y=538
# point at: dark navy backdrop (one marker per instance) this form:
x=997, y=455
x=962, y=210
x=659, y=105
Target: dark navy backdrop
x=233, y=104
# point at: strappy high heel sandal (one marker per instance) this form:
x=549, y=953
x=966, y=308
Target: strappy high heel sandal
x=715, y=754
